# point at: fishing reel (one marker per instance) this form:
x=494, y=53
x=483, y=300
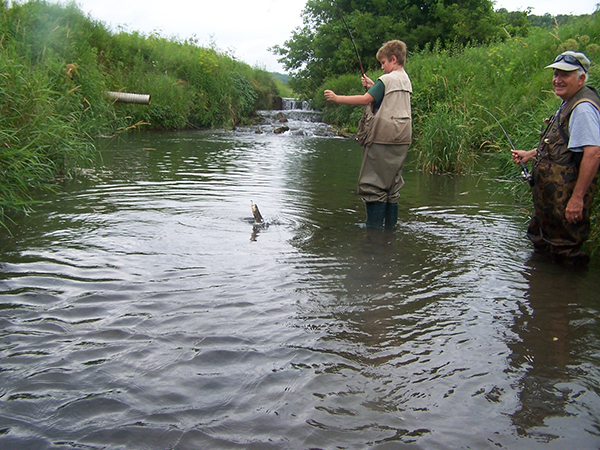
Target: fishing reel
x=526, y=175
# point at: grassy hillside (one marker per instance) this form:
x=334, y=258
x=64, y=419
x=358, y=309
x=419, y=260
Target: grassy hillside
x=56, y=65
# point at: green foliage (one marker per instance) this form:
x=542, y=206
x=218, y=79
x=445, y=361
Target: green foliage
x=341, y=115
x=322, y=47
x=447, y=139
x=56, y=65
x=515, y=23
x=283, y=89
x=39, y=135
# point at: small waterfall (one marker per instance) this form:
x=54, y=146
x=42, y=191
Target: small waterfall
x=291, y=104
x=294, y=118
x=300, y=110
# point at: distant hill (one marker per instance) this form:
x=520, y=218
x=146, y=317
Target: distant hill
x=281, y=76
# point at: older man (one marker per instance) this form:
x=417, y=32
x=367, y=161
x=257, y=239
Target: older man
x=565, y=167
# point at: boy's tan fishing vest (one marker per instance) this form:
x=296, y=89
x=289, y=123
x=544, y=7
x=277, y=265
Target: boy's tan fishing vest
x=392, y=123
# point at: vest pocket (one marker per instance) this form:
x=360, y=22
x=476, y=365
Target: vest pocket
x=364, y=127
x=402, y=129
x=557, y=152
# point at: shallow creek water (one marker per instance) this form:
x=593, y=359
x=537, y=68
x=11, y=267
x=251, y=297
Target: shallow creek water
x=142, y=308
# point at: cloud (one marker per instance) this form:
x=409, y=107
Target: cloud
x=247, y=28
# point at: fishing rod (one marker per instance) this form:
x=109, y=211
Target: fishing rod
x=524, y=172
x=351, y=38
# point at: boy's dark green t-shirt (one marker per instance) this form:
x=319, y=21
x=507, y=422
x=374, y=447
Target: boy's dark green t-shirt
x=377, y=91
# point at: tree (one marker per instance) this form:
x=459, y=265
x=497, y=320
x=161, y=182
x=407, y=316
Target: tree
x=322, y=46
x=516, y=23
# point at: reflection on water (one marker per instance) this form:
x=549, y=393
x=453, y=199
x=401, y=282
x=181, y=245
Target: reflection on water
x=142, y=308
x=560, y=366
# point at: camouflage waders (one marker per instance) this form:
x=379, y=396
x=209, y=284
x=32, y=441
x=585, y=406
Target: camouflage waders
x=549, y=230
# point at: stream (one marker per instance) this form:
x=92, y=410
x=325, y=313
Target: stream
x=141, y=307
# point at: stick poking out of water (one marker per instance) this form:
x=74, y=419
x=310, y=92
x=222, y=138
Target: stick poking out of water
x=256, y=213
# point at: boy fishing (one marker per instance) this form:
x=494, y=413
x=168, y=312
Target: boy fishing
x=385, y=133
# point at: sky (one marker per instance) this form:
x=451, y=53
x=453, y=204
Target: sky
x=246, y=29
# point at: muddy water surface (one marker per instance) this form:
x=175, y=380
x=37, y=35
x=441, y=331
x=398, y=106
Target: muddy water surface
x=142, y=308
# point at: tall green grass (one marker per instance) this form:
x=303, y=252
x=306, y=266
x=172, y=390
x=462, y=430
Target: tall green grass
x=56, y=65
x=40, y=137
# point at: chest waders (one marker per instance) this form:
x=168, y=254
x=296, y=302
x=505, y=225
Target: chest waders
x=555, y=173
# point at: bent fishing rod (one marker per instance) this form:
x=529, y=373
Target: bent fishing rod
x=351, y=38
x=524, y=172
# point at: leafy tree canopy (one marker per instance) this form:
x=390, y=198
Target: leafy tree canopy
x=322, y=46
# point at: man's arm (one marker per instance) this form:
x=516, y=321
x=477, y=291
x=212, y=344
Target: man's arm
x=587, y=171
x=524, y=156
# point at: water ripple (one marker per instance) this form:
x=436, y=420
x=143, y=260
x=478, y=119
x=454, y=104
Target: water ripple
x=146, y=306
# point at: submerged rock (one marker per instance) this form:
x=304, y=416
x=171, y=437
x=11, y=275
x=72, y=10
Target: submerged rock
x=281, y=129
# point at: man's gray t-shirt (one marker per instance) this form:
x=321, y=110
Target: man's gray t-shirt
x=584, y=127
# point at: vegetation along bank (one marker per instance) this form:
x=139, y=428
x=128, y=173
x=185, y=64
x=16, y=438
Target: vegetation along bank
x=56, y=64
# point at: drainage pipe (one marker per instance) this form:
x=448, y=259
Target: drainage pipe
x=126, y=97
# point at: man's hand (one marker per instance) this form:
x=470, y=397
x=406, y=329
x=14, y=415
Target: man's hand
x=522, y=156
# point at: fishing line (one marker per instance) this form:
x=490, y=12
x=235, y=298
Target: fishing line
x=524, y=172
x=351, y=38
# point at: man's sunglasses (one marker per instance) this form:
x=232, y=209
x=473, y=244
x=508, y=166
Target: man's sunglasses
x=570, y=59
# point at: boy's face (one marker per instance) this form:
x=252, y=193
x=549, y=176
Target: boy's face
x=389, y=65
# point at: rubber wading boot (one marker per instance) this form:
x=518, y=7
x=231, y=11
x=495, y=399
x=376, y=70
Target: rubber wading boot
x=375, y=215
x=391, y=215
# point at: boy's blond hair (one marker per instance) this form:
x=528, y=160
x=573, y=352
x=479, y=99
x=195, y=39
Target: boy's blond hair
x=393, y=48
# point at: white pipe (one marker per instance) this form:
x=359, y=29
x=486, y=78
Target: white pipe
x=125, y=97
